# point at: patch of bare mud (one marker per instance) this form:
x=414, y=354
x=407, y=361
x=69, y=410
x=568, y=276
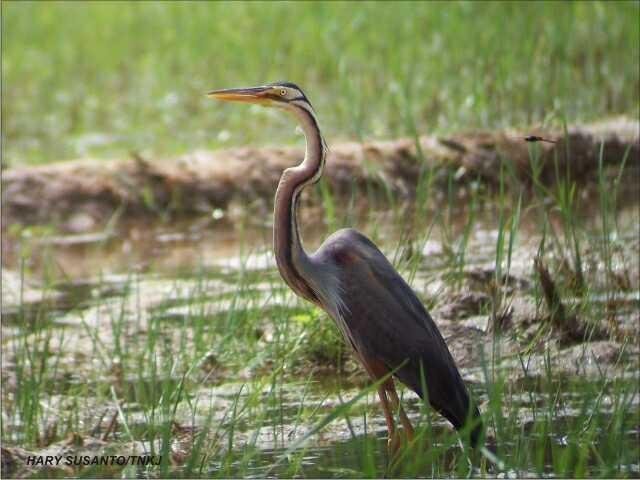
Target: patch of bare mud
x=81, y=196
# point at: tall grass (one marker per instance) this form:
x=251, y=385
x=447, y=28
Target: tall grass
x=102, y=79
x=243, y=327
x=234, y=354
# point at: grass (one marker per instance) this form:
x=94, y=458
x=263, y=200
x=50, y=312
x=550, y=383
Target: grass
x=103, y=79
x=262, y=376
x=235, y=355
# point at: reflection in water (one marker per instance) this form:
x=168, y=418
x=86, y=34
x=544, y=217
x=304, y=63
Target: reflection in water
x=183, y=247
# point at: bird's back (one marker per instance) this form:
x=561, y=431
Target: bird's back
x=386, y=321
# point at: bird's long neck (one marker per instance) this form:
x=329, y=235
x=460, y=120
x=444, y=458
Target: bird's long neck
x=291, y=258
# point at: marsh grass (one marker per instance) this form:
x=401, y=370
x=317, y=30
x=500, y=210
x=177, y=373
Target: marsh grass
x=156, y=368
x=229, y=364
x=103, y=80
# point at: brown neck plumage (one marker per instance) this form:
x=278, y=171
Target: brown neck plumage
x=290, y=255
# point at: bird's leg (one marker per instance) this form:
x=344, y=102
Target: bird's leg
x=393, y=441
x=397, y=406
x=378, y=370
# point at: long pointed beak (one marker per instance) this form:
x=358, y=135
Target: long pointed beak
x=246, y=95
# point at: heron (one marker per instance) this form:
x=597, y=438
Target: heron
x=377, y=312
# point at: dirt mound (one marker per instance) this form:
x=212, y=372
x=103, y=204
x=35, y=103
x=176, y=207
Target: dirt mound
x=79, y=195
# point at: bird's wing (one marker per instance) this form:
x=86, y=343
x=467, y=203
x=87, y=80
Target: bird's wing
x=387, y=322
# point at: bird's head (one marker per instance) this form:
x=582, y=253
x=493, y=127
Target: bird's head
x=281, y=95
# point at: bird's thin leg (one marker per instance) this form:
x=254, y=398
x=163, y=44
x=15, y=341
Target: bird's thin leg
x=377, y=370
x=392, y=441
x=406, y=423
x=385, y=408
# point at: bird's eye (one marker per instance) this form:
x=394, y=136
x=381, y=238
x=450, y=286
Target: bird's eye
x=283, y=93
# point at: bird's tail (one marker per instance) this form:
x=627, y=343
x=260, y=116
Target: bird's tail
x=472, y=423
x=462, y=413
x=447, y=394
x=477, y=428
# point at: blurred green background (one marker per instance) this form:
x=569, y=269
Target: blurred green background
x=103, y=79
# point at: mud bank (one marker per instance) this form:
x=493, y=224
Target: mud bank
x=83, y=195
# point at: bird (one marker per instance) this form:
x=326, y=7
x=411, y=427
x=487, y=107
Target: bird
x=348, y=277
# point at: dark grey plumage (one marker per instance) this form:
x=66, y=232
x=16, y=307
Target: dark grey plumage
x=405, y=332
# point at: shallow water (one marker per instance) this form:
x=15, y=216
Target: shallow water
x=357, y=443
x=157, y=293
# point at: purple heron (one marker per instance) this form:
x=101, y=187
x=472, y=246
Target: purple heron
x=377, y=312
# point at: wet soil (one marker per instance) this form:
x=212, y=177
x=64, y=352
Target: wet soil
x=85, y=195
x=480, y=314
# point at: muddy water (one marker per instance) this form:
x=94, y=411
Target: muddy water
x=340, y=449
x=153, y=274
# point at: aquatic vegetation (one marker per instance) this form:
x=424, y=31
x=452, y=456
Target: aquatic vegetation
x=179, y=340
x=219, y=369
